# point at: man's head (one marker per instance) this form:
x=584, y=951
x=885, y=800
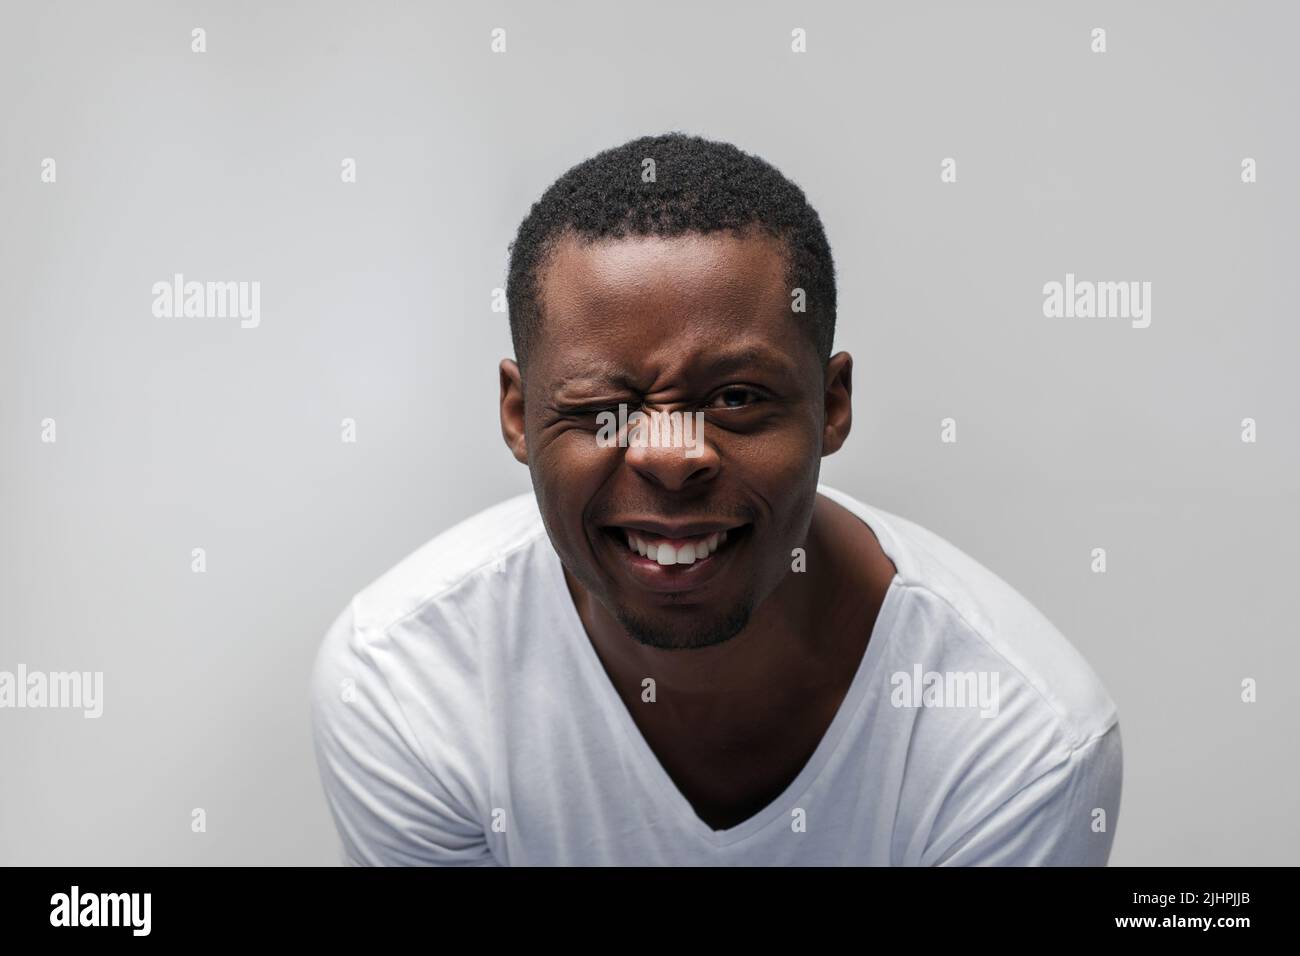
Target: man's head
x=676, y=292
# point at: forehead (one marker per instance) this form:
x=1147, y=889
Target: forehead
x=647, y=305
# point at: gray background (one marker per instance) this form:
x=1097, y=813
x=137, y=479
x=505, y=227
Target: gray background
x=183, y=433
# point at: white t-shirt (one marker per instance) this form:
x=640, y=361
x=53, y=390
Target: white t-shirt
x=461, y=716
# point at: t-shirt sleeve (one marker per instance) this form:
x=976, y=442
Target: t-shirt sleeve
x=392, y=803
x=1054, y=819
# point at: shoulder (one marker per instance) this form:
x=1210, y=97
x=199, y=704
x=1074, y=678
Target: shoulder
x=410, y=640
x=478, y=545
x=1019, y=777
x=398, y=715
x=958, y=614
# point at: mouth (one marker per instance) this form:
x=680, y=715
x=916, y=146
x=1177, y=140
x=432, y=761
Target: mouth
x=661, y=558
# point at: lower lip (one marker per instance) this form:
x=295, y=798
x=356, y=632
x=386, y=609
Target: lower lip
x=674, y=578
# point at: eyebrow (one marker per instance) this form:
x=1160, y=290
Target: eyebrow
x=748, y=356
x=600, y=375
x=607, y=375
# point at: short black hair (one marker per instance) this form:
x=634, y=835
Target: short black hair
x=699, y=186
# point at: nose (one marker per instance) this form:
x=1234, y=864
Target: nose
x=672, y=449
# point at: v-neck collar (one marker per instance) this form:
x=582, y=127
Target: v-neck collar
x=617, y=714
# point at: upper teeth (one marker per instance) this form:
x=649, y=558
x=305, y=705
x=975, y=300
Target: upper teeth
x=693, y=550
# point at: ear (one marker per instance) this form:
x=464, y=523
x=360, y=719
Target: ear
x=838, y=403
x=512, y=410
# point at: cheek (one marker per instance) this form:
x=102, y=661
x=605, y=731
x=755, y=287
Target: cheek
x=780, y=460
x=783, y=471
x=573, y=457
x=568, y=470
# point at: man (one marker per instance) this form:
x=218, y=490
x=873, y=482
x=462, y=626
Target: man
x=675, y=653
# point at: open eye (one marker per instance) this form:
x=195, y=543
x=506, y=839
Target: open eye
x=736, y=396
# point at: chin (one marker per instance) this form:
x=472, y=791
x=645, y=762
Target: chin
x=686, y=631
